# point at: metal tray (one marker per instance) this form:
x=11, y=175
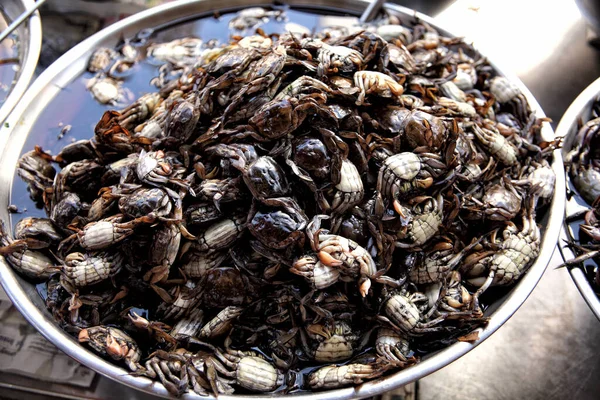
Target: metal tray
x=30, y=44
x=73, y=63
x=580, y=109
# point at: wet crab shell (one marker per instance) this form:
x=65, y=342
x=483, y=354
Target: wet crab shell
x=256, y=374
x=101, y=59
x=36, y=170
x=586, y=181
x=402, y=312
x=275, y=119
x=393, y=118
x=355, y=229
x=105, y=91
x=504, y=89
x=201, y=212
x=338, y=346
x=85, y=269
x=501, y=204
x=147, y=162
x=113, y=342
x=423, y=129
x=225, y=286
x=65, y=211
x=278, y=228
x=181, y=121
x=33, y=264
x=37, y=228
x=332, y=376
x=265, y=179
x=311, y=155
x=145, y=201
x=231, y=59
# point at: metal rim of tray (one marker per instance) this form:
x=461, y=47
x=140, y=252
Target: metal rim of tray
x=567, y=128
x=73, y=63
x=31, y=30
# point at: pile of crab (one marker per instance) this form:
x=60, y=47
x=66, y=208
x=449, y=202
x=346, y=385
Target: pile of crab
x=290, y=212
x=583, y=167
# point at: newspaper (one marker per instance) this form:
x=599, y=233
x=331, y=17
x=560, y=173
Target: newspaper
x=24, y=351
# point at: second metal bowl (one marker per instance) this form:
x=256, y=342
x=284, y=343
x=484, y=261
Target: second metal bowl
x=579, y=110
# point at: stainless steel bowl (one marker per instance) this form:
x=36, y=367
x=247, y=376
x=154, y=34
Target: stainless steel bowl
x=73, y=63
x=580, y=109
x=30, y=44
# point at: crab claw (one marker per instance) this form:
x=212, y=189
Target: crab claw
x=425, y=183
x=138, y=321
x=399, y=209
x=167, y=169
x=157, y=274
x=113, y=348
x=364, y=287
x=328, y=260
x=84, y=336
